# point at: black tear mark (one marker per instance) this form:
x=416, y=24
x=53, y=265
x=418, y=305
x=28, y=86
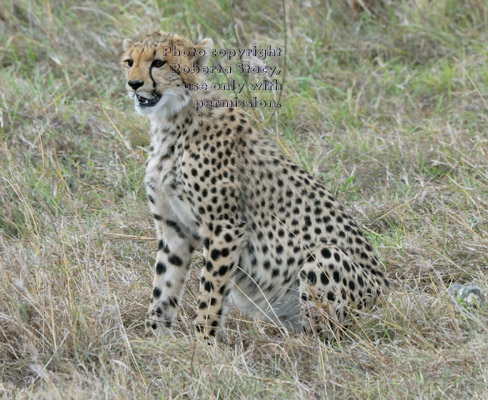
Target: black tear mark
x=153, y=81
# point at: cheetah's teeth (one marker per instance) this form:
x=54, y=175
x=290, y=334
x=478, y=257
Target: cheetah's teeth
x=141, y=99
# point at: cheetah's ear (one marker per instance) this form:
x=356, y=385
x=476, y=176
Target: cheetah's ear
x=126, y=43
x=203, y=49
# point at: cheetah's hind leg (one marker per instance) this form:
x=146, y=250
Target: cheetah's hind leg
x=331, y=285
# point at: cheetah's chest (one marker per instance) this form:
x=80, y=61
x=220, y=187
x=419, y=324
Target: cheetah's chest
x=164, y=186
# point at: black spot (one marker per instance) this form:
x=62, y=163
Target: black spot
x=218, y=230
x=160, y=268
x=331, y=296
x=156, y=292
x=215, y=254
x=225, y=252
x=176, y=227
x=175, y=260
x=202, y=305
x=222, y=289
x=208, y=286
x=312, y=278
x=336, y=276
x=223, y=270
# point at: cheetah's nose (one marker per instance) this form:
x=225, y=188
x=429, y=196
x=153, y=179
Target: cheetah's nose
x=135, y=84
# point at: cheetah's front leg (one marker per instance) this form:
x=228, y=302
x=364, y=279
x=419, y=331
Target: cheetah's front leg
x=175, y=247
x=221, y=254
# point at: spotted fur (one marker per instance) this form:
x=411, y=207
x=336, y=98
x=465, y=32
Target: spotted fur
x=275, y=242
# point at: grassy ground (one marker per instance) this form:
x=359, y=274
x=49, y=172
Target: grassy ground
x=389, y=111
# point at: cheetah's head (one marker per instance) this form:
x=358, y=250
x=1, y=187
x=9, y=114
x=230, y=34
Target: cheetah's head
x=153, y=65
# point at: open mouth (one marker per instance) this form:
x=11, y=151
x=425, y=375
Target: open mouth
x=145, y=102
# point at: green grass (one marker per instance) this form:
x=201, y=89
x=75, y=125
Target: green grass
x=389, y=111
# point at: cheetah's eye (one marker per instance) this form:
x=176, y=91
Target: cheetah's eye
x=158, y=63
x=129, y=62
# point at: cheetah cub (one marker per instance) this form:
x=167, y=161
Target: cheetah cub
x=276, y=243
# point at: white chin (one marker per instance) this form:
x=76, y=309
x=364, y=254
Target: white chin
x=144, y=110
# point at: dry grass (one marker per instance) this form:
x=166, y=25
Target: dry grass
x=390, y=111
